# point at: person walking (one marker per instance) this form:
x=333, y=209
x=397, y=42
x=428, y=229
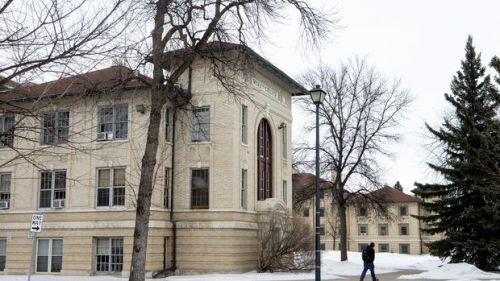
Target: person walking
x=368, y=256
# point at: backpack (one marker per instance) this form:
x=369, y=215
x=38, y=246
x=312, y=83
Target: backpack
x=364, y=254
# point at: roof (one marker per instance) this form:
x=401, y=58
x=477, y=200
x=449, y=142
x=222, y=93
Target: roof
x=388, y=194
x=100, y=81
x=217, y=47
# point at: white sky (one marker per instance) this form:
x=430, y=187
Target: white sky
x=421, y=42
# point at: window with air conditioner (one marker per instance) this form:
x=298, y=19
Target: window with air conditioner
x=363, y=229
x=111, y=184
x=5, y=180
x=52, y=189
x=55, y=127
x=112, y=122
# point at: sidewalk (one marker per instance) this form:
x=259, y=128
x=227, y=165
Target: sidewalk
x=385, y=277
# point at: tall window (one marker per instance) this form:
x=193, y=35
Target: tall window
x=284, y=144
x=166, y=189
x=169, y=123
x=285, y=191
x=55, y=127
x=111, y=187
x=383, y=229
x=3, y=251
x=200, y=124
x=306, y=212
x=7, y=123
x=4, y=190
x=244, y=187
x=362, y=212
x=113, y=121
x=49, y=255
x=383, y=248
x=109, y=254
x=404, y=229
x=264, y=161
x=244, y=124
x=403, y=211
x=199, y=188
x=363, y=229
x=52, y=189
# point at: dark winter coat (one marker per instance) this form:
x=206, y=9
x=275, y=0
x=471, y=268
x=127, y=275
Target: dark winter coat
x=371, y=255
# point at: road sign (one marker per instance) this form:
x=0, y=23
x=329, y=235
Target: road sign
x=36, y=223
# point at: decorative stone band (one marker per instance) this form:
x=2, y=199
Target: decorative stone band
x=131, y=224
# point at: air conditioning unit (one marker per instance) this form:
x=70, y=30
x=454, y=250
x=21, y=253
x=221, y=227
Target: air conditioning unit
x=104, y=136
x=4, y=204
x=59, y=203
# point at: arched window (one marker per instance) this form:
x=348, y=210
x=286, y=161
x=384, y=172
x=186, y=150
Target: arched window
x=264, y=161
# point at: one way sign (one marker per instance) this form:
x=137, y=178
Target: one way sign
x=36, y=223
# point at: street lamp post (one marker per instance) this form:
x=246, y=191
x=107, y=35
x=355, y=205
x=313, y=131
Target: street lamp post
x=317, y=96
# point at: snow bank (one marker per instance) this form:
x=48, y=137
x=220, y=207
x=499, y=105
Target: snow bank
x=455, y=271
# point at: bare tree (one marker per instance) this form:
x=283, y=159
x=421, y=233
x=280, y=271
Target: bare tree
x=358, y=118
x=285, y=243
x=333, y=222
x=190, y=26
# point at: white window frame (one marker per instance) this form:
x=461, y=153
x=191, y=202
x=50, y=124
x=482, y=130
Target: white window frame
x=284, y=143
x=59, y=136
x=5, y=195
x=360, y=233
x=3, y=253
x=50, y=254
x=114, y=120
x=244, y=189
x=53, y=189
x=244, y=124
x=111, y=187
x=200, y=129
x=401, y=225
x=285, y=191
x=110, y=254
x=3, y=129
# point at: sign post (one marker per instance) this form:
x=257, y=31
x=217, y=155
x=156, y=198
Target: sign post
x=36, y=226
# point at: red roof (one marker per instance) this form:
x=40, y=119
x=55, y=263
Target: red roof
x=388, y=194
x=308, y=180
x=99, y=81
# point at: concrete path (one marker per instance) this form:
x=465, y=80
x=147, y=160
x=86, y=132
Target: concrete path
x=385, y=277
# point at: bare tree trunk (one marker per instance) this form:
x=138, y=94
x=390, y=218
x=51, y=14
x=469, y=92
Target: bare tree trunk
x=343, y=232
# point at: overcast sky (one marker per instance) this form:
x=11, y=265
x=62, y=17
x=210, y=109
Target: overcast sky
x=421, y=42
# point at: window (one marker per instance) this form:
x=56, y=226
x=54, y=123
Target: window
x=382, y=229
x=244, y=124
x=113, y=121
x=321, y=212
x=55, y=127
x=3, y=251
x=109, y=254
x=404, y=229
x=49, y=255
x=111, y=187
x=363, y=229
x=4, y=190
x=200, y=130
x=321, y=229
x=306, y=212
x=199, y=188
x=404, y=248
x=362, y=246
x=169, y=123
x=383, y=248
x=403, y=211
x=7, y=123
x=52, y=189
x=244, y=187
x=362, y=212
x=285, y=191
x=264, y=161
x=322, y=246
x=166, y=188
x=382, y=211
x=284, y=146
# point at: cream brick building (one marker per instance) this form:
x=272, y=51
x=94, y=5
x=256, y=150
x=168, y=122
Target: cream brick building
x=392, y=228
x=76, y=161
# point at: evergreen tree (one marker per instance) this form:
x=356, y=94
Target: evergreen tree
x=465, y=207
x=398, y=186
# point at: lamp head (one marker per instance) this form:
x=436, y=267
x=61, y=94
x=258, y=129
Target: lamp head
x=317, y=95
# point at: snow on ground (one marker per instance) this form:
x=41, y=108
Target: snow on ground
x=331, y=268
x=455, y=271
